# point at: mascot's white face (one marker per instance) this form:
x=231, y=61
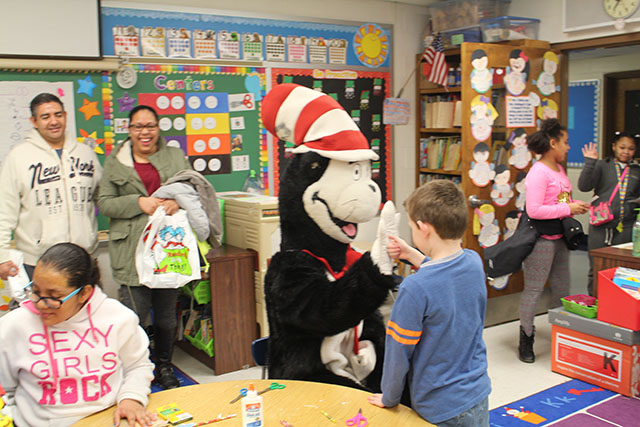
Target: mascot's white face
x=344, y=196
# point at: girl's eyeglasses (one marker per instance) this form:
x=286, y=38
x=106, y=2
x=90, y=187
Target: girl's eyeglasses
x=50, y=302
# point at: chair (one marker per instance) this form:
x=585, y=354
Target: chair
x=260, y=353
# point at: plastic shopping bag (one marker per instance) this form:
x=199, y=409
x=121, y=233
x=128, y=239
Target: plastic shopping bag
x=167, y=252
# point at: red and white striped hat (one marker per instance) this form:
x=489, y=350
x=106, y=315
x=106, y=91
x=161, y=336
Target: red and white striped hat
x=315, y=122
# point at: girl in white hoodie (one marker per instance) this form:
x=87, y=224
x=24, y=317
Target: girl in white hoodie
x=69, y=351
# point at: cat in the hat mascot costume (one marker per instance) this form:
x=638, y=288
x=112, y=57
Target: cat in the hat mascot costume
x=322, y=296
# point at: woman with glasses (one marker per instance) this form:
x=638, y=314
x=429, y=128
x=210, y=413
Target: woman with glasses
x=69, y=351
x=132, y=172
x=618, y=173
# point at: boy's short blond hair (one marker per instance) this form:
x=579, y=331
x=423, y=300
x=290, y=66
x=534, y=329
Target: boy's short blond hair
x=441, y=204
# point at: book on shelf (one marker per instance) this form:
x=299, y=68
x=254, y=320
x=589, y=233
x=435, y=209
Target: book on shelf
x=439, y=111
x=457, y=114
x=433, y=176
x=452, y=158
x=440, y=153
x=499, y=154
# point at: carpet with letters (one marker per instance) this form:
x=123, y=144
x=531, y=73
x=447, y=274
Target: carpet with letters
x=571, y=404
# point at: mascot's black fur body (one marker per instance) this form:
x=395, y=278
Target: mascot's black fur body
x=304, y=306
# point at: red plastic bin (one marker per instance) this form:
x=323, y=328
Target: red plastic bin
x=616, y=306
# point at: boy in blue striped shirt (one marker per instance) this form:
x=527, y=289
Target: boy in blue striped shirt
x=434, y=337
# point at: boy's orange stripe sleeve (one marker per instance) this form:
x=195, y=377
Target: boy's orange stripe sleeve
x=401, y=340
x=403, y=331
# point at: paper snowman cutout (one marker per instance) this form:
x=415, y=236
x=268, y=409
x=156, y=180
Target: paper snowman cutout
x=548, y=109
x=483, y=114
x=481, y=76
x=521, y=198
x=481, y=171
x=489, y=230
x=501, y=191
x=511, y=221
x=517, y=72
x=520, y=154
x=546, y=82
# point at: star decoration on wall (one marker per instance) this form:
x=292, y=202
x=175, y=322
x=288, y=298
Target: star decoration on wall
x=86, y=85
x=89, y=108
x=126, y=102
x=91, y=140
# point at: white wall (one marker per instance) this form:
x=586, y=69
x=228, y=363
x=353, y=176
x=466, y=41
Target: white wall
x=550, y=14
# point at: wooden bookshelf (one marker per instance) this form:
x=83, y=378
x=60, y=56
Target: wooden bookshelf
x=440, y=171
x=441, y=130
x=456, y=89
x=498, y=57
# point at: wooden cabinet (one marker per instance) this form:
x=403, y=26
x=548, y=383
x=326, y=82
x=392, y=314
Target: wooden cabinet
x=499, y=149
x=233, y=309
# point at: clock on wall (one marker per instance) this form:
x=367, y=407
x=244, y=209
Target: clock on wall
x=620, y=8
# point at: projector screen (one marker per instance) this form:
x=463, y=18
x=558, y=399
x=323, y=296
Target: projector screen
x=57, y=28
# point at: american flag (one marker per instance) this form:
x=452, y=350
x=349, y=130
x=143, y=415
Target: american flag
x=434, y=56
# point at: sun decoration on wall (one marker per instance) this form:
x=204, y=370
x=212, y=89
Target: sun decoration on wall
x=371, y=44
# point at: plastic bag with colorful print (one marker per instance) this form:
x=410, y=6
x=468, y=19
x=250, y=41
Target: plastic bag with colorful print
x=167, y=252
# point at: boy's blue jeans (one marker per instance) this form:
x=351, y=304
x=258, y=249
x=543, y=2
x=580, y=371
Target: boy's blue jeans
x=478, y=416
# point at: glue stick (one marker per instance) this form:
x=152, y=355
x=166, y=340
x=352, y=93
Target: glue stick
x=252, y=409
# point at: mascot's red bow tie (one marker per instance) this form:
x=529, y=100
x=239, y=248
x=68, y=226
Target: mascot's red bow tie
x=351, y=257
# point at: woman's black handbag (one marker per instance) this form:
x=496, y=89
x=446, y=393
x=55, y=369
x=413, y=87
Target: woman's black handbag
x=573, y=233
x=506, y=257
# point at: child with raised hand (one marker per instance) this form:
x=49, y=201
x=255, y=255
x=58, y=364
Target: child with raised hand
x=434, y=336
x=69, y=351
x=603, y=176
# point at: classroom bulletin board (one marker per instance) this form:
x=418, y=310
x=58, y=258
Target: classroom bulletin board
x=211, y=113
x=361, y=94
x=583, y=115
x=142, y=32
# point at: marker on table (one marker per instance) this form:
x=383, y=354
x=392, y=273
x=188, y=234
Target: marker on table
x=333, y=420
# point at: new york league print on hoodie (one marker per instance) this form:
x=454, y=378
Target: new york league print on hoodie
x=47, y=198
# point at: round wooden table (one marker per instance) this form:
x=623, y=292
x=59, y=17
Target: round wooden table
x=300, y=403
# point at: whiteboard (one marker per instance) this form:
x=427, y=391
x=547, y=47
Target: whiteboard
x=15, y=99
x=42, y=28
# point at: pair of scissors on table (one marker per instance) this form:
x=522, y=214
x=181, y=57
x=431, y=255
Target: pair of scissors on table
x=273, y=386
x=243, y=391
x=358, y=421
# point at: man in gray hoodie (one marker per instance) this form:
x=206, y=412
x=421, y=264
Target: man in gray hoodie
x=47, y=189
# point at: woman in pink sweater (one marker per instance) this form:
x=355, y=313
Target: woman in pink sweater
x=548, y=197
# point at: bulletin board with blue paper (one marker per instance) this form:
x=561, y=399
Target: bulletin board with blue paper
x=583, y=114
x=211, y=113
x=156, y=33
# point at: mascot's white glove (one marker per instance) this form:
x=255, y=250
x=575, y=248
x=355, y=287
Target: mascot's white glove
x=388, y=225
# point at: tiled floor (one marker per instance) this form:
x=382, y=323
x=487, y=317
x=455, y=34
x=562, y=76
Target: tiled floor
x=511, y=379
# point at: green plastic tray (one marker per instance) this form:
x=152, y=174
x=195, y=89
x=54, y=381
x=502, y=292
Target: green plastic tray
x=581, y=310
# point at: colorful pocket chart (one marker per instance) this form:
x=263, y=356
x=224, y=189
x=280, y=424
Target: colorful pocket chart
x=170, y=103
x=208, y=102
x=200, y=145
x=204, y=124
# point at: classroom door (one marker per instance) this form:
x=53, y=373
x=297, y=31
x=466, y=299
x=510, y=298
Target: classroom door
x=622, y=100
